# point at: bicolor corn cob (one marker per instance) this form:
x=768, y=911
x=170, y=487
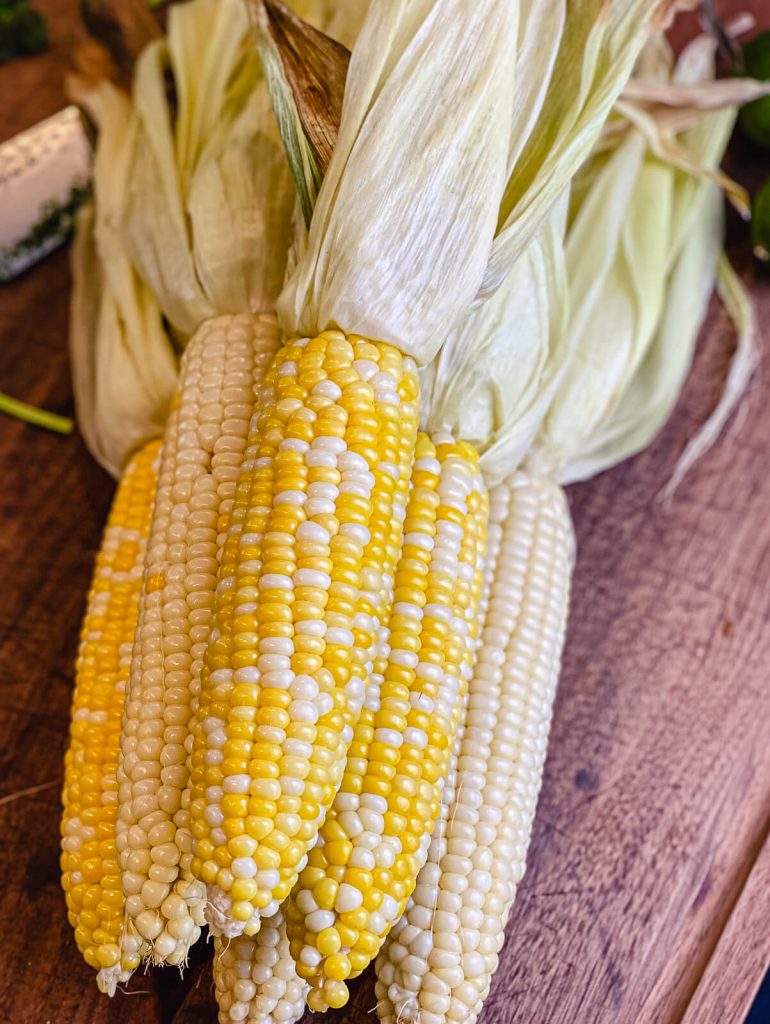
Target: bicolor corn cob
x=256, y=979
x=89, y=864
x=440, y=957
x=205, y=438
x=282, y=683
x=277, y=992
x=375, y=838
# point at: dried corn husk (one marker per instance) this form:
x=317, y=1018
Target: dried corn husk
x=642, y=255
x=123, y=361
x=210, y=196
x=192, y=211
x=209, y=199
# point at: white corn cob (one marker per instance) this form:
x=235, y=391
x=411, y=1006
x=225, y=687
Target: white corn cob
x=203, y=446
x=439, y=960
x=255, y=978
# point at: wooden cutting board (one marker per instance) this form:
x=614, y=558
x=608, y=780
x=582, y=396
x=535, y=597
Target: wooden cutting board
x=648, y=890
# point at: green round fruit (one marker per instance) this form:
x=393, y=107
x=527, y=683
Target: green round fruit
x=754, y=118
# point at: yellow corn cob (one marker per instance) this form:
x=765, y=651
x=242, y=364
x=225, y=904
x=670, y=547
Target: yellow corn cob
x=205, y=437
x=374, y=840
x=90, y=875
x=256, y=979
x=440, y=957
x=295, y=625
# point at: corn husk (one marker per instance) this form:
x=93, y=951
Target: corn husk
x=589, y=61
x=191, y=217
x=642, y=255
x=495, y=377
x=123, y=361
x=456, y=115
x=404, y=221
x=209, y=198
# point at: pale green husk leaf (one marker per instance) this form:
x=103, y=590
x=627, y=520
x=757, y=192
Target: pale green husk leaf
x=642, y=253
x=588, y=61
x=495, y=377
x=744, y=362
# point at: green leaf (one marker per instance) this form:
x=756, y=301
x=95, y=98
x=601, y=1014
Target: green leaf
x=755, y=117
x=760, y=222
x=23, y=31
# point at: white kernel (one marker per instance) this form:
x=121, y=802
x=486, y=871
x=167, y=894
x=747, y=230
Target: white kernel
x=374, y=803
x=293, y=444
x=304, y=688
x=377, y=923
x=361, y=858
x=357, y=531
x=268, y=879
x=250, y=674
x=324, y=703
x=389, y=737
x=312, y=578
x=243, y=867
x=214, y=815
x=303, y=711
x=317, y=457
x=312, y=532
x=419, y=540
x=280, y=679
x=343, y=637
x=310, y=627
x=310, y=956
x=324, y=443
x=236, y=784
x=411, y=611
x=348, y=898
x=416, y=737
x=327, y=389
x=275, y=581
x=408, y=659
x=317, y=920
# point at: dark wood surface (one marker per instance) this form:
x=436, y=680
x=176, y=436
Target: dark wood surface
x=648, y=890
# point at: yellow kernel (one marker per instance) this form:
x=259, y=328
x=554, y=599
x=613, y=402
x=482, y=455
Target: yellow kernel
x=328, y=941
x=337, y=967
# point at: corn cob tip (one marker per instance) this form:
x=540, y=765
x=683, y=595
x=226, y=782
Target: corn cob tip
x=109, y=978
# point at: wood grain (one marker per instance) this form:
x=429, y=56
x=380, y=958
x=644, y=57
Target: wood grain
x=741, y=955
x=646, y=899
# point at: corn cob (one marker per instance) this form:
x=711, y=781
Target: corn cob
x=204, y=441
x=282, y=683
x=278, y=993
x=439, y=960
x=255, y=978
x=90, y=875
x=375, y=838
